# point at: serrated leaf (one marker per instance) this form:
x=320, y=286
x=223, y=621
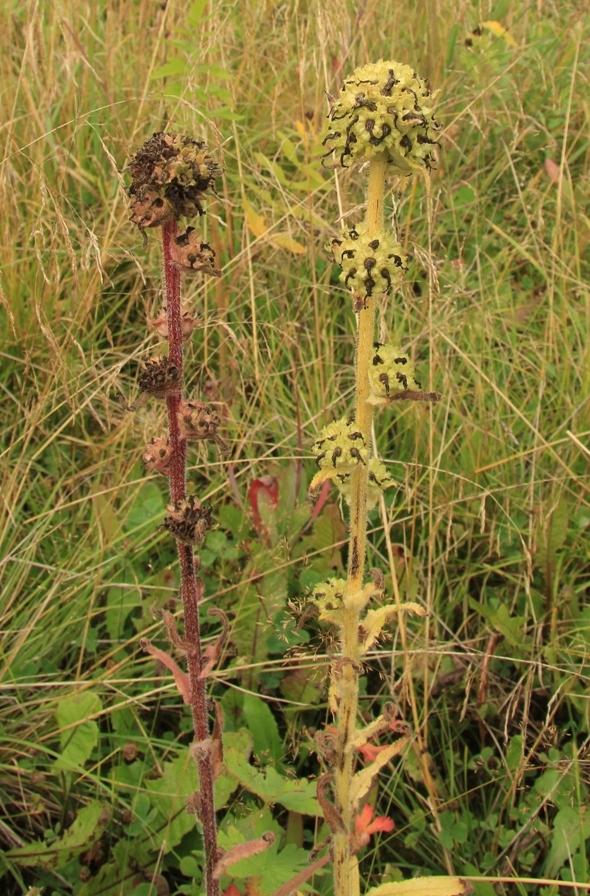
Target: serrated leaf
x=78, y=733
x=284, y=241
x=295, y=794
x=570, y=829
x=424, y=886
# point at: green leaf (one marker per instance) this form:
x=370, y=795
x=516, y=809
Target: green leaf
x=264, y=730
x=174, y=68
x=169, y=794
x=86, y=829
x=295, y=794
x=272, y=867
x=570, y=830
x=121, y=602
x=195, y=12
x=78, y=734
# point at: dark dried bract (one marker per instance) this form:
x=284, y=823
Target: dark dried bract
x=160, y=377
x=171, y=174
x=188, y=521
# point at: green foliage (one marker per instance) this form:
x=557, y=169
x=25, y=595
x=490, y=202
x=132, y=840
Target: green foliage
x=488, y=527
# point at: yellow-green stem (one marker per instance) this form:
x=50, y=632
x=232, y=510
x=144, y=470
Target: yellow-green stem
x=346, y=672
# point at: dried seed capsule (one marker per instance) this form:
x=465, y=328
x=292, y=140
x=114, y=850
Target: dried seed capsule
x=190, y=253
x=198, y=422
x=170, y=175
x=159, y=324
x=188, y=520
x=160, y=377
x=386, y=108
x=157, y=456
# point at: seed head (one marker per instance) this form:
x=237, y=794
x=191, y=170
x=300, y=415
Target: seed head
x=384, y=107
x=170, y=176
x=157, y=456
x=188, y=521
x=190, y=253
x=160, y=377
x=198, y=421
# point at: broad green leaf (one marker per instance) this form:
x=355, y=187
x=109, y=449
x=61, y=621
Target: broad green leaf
x=78, y=734
x=274, y=866
x=121, y=602
x=295, y=794
x=174, y=68
x=86, y=829
x=264, y=730
x=571, y=828
x=169, y=794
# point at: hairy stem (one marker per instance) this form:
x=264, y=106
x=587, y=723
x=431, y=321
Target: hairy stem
x=347, y=673
x=191, y=587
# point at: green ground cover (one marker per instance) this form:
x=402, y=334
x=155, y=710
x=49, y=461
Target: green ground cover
x=489, y=528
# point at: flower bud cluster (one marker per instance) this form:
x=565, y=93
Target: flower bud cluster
x=370, y=265
x=391, y=372
x=340, y=447
x=384, y=108
x=378, y=480
x=329, y=599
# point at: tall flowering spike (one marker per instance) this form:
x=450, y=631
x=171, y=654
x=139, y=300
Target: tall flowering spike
x=370, y=265
x=384, y=108
x=171, y=174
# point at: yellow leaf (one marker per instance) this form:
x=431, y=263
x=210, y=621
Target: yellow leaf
x=424, y=886
x=499, y=31
x=300, y=128
x=256, y=223
x=284, y=241
x=361, y=782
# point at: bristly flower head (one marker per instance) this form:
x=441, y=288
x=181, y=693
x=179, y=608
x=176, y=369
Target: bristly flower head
x=384, y=107
x=171, y=174
x=340, y=448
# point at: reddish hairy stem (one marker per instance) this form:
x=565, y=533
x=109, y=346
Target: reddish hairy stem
x=191, y=587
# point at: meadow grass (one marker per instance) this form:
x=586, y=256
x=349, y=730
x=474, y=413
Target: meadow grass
x=489, y=527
